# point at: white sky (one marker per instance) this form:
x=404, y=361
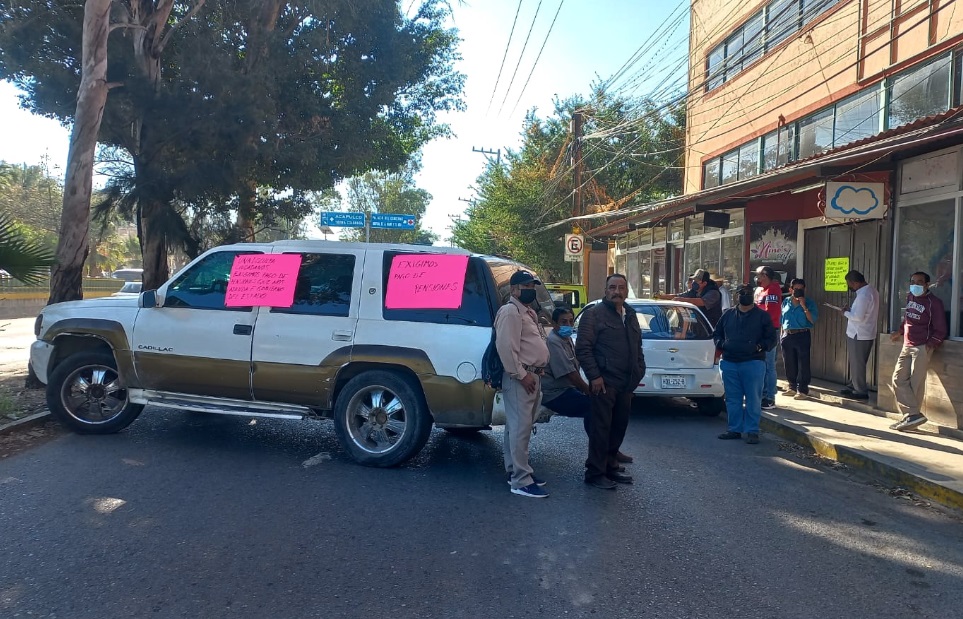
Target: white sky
x=591, y=39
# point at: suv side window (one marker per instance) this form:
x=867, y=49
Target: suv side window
x=204, y=285
x=475, y=305
x=324, y=286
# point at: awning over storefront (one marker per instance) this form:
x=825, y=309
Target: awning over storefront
x=877, y=153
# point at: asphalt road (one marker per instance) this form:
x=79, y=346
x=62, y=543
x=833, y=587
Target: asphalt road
x=189, y=515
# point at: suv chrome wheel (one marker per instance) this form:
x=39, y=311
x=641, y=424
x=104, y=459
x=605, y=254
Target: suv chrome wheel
x=381, y=418
x=378, y=419
x=86, y=394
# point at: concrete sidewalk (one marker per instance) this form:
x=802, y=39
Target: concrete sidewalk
x=926, y=461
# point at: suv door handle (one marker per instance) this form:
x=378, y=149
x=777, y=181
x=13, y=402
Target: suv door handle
x=341, y=336
x=243, y=329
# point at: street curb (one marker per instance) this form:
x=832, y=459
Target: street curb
x=26, y=423
x=859, y=460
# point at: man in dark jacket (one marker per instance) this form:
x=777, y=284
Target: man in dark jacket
x=708, y=297
x=744, y=334
x=609, y=350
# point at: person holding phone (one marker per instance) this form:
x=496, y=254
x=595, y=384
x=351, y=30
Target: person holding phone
x=799, y=314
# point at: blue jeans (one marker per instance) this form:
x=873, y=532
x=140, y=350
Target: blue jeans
x=743, y=382
x=769, y=387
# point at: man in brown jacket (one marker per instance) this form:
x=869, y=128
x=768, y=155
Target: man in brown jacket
x=609, y=349
x=520, y=342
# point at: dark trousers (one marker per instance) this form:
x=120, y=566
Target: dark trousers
x=610, y=419
x=572, y=403
x=796, y=348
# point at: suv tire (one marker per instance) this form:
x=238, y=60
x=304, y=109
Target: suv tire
x=381, y=419
x=84, y=394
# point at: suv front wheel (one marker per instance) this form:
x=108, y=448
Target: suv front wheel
x=85, y=394
x=381, y=419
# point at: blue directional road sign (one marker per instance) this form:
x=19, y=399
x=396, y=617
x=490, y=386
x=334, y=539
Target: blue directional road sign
x=390, y=220
x=342, y=220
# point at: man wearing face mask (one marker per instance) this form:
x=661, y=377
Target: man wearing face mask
x=707, y=296
x=609, y=349
x=768, y=297
x=520, y=342
x=799, y=314
x=744, y=336
x=923, y=330
x=564, y=391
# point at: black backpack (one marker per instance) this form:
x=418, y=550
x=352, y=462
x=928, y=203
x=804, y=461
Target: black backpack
x=492, y=367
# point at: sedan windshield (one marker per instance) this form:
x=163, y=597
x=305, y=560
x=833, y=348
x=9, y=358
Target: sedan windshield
x=672, y=322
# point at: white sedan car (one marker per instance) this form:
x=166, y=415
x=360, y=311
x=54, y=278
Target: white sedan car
x=680, y=356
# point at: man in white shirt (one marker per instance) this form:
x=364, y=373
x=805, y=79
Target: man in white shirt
x=861, y=328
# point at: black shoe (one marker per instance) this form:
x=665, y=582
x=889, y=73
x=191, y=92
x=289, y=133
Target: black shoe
x=728, y=436
x=752, y=438
x=860, y=396
x=617, y=469
x=601, y=482
x=619, y=478
x=621, y=457
x=768, y=405
x=847, y=392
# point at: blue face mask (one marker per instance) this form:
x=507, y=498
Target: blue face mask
x=566, y=331
x=916, y=290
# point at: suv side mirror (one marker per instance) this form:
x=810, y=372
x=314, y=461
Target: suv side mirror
x=148, y=298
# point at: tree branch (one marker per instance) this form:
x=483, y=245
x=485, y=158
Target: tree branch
x=159, y=48
x=125, y=25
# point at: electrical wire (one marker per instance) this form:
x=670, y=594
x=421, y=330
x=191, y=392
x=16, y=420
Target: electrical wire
x=520, y=55
x=504, y=56
x=535, y=64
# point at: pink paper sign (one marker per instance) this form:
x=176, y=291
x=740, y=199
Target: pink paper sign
x=266, y=280
x=426, y=281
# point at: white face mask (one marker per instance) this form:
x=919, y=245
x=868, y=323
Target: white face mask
x=916, y=290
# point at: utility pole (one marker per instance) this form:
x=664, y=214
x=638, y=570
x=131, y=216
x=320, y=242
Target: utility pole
x=497, y=153
x=577, y=164
x=578, y=277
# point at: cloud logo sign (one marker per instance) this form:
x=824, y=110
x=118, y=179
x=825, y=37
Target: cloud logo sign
x=859, y=200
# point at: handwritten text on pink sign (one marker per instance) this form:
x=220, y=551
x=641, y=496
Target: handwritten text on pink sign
x=266, y=280
x=424, y=281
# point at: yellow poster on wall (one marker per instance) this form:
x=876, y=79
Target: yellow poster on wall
x=836, y=270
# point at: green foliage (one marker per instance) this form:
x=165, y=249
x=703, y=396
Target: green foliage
x=21, y=257
x=288, y=101
x=632, y=154
x=33, y=198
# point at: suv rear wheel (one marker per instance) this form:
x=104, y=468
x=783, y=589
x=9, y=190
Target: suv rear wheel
x=85, y=394
x=381, y=419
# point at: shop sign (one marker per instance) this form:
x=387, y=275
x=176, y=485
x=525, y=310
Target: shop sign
x=855, y=200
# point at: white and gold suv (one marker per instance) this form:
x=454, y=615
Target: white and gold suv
x=384, y=374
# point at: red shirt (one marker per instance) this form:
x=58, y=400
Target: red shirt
x=770, y=301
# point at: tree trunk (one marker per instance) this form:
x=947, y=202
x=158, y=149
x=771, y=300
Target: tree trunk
x=153, y=243
x=66, y=281
x=246, y=212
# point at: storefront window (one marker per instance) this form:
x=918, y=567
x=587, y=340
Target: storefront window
x=677, y=230
x=710, y=255
x=732, y=261
x=632, y=273
x=925, y=244
x=787, y=145
x=695, y=225
x=710, y=174
x=645, y=264
x=693, y=259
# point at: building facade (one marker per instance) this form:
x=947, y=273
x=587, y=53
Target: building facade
x=822, y=136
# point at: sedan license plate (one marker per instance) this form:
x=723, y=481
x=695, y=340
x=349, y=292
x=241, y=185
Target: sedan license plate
x=673, y=381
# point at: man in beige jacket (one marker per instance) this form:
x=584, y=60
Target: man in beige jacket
x=520, y=342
